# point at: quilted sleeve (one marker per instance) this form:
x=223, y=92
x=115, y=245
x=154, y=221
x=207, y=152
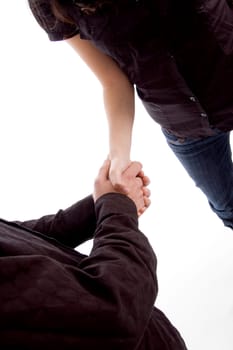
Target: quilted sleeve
x=123, y=264
x=71, y=227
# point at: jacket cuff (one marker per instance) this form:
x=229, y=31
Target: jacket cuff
x=114, y=203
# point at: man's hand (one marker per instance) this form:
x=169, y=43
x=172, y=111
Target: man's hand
x=134, y=179
x=102, y=183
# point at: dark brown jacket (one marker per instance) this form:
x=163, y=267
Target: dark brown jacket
x=53, y=297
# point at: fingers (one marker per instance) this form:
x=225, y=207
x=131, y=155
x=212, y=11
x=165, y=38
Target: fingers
x=147, y=203
x=145, y=179
x=129, y=179
x=146, y=199
x=146, y=191
x=128, y=175
x=137, y=183
x=133, y=169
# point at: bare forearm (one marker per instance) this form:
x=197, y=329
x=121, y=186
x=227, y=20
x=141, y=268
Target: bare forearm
x=118, y=95
x=119, y=106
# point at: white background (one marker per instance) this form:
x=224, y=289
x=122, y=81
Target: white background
x=53, y=139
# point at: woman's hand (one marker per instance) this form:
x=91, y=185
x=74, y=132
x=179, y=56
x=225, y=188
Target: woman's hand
x=117, y=168
x=121, y=173
x=137, y=190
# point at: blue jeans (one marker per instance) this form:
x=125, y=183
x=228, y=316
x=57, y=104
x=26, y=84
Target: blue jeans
x=208, y=162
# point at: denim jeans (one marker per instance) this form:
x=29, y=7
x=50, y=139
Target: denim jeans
x=208, y=162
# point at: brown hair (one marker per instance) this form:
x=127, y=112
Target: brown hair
x=62, y=9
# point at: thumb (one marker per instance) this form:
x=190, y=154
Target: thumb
x=104, y=170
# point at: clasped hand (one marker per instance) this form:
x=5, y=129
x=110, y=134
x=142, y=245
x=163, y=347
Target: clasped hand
x=133, y=184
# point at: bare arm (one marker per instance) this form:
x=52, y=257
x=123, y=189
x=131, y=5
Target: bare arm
x=118, y=94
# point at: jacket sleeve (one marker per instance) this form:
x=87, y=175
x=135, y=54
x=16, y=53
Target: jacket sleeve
x=64, y=301
x=71, y=227
x=56, y=29
x=122, y=265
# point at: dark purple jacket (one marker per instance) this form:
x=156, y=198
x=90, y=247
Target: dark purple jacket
x=53, y=297
x=179, y=55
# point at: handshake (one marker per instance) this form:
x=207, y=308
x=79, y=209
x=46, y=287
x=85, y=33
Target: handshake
x=133, y=184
